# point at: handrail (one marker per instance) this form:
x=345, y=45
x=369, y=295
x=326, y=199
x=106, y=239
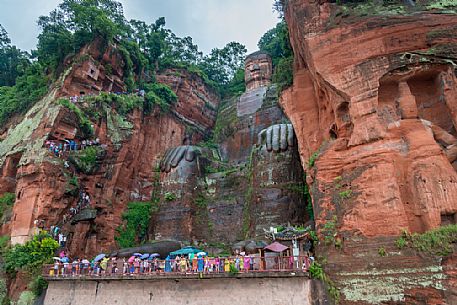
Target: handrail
x=172, y=267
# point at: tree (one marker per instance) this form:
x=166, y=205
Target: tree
x=222, y=64
x=179, y=51
x=13, y=61
x=74, y=24
x=4, y=39
x=276, y=42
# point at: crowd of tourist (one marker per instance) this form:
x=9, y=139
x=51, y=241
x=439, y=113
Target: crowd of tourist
x=80, y=98
x=192, y=264
x=58, y=148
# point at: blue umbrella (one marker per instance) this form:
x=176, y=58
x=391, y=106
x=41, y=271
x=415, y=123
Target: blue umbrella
x=99, y=257
x=137, y=254
x=144, y=256
x=154, y=255
x=64, y=259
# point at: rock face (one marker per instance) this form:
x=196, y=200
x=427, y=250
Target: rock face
x=126, y=171
x=203, y=192
x=97, y=68
x=249, y=181
x=373, y=105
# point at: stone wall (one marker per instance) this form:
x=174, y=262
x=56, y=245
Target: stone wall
x=261, y=291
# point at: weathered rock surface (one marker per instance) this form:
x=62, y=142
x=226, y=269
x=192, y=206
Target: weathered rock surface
x=373, y=105
x=248, y=182
x=126, y=172
x=211, y=194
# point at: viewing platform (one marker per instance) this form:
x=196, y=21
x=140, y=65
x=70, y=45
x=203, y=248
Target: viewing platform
x=180, y=276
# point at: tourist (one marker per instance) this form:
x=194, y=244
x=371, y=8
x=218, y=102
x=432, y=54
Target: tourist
x=66, y=268
x=74, y=265
x=183, y=264
x=217, y=263
x=146, y=268
x=177, y=263
x=200, y=264
x=61, y=244
x=237, y=262
x=136, y=265
x=167, y=264
x=125, y=266
x=206, y=267
x=191, y=260
x=227, y=264
x=56, y=268
x=247, y=263
x=194, y=264
x=221, y=265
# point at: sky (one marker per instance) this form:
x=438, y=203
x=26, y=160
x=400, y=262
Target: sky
x=211, y=23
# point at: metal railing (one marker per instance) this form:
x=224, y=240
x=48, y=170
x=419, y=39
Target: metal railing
x=161, y=268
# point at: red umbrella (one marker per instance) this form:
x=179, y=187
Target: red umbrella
x=276, y=247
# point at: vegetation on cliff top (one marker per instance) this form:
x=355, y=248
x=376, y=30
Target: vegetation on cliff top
x=276, y=43
x=440, y=241
x=146, y=49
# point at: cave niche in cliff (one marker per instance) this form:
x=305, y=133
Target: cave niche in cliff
x=10, y=169
x=426, y=86
x=448, y=219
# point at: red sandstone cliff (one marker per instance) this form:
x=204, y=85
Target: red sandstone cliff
x=375, y=98
x=126, y=171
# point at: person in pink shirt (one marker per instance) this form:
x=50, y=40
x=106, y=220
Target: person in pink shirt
x=247, y=262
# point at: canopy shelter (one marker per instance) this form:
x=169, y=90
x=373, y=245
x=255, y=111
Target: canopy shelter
x=276, y=247
x=271, y=256
x=185, y=251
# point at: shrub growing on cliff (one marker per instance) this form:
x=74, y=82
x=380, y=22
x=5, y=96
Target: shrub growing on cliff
x=438, y=241
x=316, y=271
x=86, y=160
x=31, y=255
x=284, y=74
x=6, y=204
x=136, y=222
x=85, y=125
x=159, y=95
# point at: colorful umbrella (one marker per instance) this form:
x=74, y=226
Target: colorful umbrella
x=137, y=254
x=99, y=257
x=154, y=255
x=131, y=259
x=144, y=256
x=64, y=259
x=202, y=254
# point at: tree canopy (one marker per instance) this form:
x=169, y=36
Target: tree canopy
x=276, y=43
x=146, y=49
x=21, y=81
